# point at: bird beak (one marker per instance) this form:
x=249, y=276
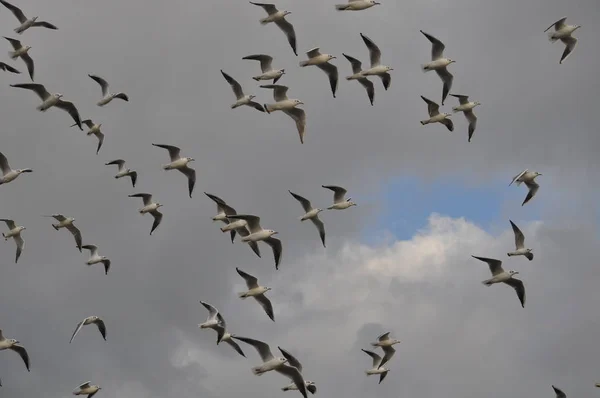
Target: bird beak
x=275, y=233
x=301, y=102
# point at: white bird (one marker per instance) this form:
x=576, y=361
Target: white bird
x=95, y=258
x=67, y=222
x=358, y=76
x=321, y=61
x=7, y=68
x=527, y=177
x=221, y=330
x=14, y=345
x=106, y=95
x=563, y=32
x=123, y=172
x=95, y=130
x=501, y=276
x=257, y=234
x=274, y=363
x=356, y=5
x=241, y=98
x=311, y=214
x=213, y=321
x=9, y=174
x=292, y=361
x=287, y=106
x=376, y=68
x=386, y=345
x=266, y=68
x=15, y=233
x=52, y=100
x=278, y=17
x=520, y=244
x=87, y=389
x=181, y=164
x=223, y=209
x=256, y=291
x=339, y=200
x=23, y=52
x=89, y=321
x=466, y=107
x=439, y=64
x=25, y=22
x=559, y=393
x=151, y=208
x=377, y=369
x=435, y=116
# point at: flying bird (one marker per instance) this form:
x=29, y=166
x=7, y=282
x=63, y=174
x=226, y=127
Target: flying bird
x=87, y=389
x=256, y=291
x=321, y=61
x=257, y=234
x=95, y=130
x=311, y=214
x=501, y=276
x=90, y=320
x=563, y=32
x=266, y=68
x=223, y=209
x=106, y=95
x=377, y=369
x=376, y=68
x=151, y=208
x=559, y=393
x=339, y=198
x=95, y=258
x=439, y=64
x=15, y=233
x=122, y=171
x=221, y=329
x=292, y=361
x=435, y=116
x=466, y=107
x=181, y=164
x=23, y=52
x=520, y=244
x=14, y=345
x=9, y=174
x=25, y=22
x=356, y=5
x=527, y=177
x=386, y=345
x=8, y=68
x=52, y=100
x=358, y=76
x=213, y=321
x=241, y=98
x=278, y=17
x=287, y=106
x=67, y=222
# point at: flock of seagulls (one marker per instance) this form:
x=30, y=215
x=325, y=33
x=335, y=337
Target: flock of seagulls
x=248, y=226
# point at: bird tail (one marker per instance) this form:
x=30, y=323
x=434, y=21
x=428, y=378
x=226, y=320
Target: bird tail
x=487, y=282
x=455, y=110
x=425, y=68
x=268, y=108
x=4, y=236
x=509, y=254
x=424, y=122
x=234, y=106
x=264, y=21
x=12, y=54
x=373, y=344
x=256, y=78
x=55, y=226
x=257, y=371
x=367, y=373
x=341, y=7
x=243, y=295
x=285, y=388
x=349, y=77
x=303, y=63
x=551, y=37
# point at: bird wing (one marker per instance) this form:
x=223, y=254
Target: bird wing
x=158, y=216
x=386, y=79
x=256, y=106
x=292, y=360
x=306, y=205
x=355, y=63
x=376, y=358
x=384, y=337
x=251, y=281
x=235, y=86
x=558, y=25
x=389, y=353
x=20, y=243
x=338, y=192
x=133, y=175
x=368, y=85
x=191, y=176
x=212, y=311
x=269, y=8
x=519, y=237
x=276, y=246
x=266, y=304
x=92, y=248
x=295, y=375
x=559, y=393
x=15, y=10
x=495, y=265
x=519, y=288
x=9, y=223
x=6, y=67
x=279, y=91
x=101, y=327
x=236, y=347
x=374, y=51
x=19, y=349
x=146, y=197
x=77, y=329
x=432, y=108
x=122, y=96
x=437, y=47
x=103, y=84
x=462, y=99
x=106, y=266
x=76, y=234
x=70, y=108
x=288, y=29
x=45, y=24
x=447, y=78
x=299, y=117
x=39, y=89
x=515, y=178
x=173, y=151
x=85, y=385
x=382, y=376
x=448, y=123
x=472, y=122
x=16, y=44
x=570, y=44
x=332, y=73
x=313, y=52
x=265, y=61
x=533, y=188
x=100, y=137
x=253, y=221
x=119, y=162
x=262, y=348
x=30, y=66
x=320, y=227
x=312, y=388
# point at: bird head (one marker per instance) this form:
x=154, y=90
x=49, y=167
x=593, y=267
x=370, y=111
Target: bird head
x=283, y=71
x=272, y=232
x=93, y=318
x=13, y=341
x=511, y=272
x=447, y=114
x=375, y=3
x=191, y=159
x=58, y=95
x=319, y=210
x=286, y=13
x=159, y=205
x=267, y=289
x=451, y=61
x=104, y=257
x=330, y=57
x=537, y=174
x=27, y=48
x=298, y=102
x=282, y=360
x=21, y=228
x=576, y=27
x=251, y=97
x=352, y=203
x=477, y=103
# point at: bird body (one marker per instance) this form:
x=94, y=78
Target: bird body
x=270, y=75
x=49, y=102
x=317, y=60
x=258, y=236
x=377, y=371
x=17, y=53
x=436, y=119
x=284, y=105
x=234, y=225
x=465, y=107
x=13, y=232
x=87, y=389
x=356, y=5
x=311, y=214
x=257, y=291
x=438, y=64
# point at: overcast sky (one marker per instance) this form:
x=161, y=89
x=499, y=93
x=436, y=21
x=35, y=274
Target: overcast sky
x=400, y=261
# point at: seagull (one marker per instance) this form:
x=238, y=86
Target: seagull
x=15, y=233
x=292, y=361
x=123, y=172
x=67, y=222
x=435, y=116
x=563, y=33
x=88, y=321
x=279, y=18
x=223, y=209
x=8, y=68
x=9, y=174
x=377, y=368
x=50, y=100
x=321, y=61
x=528, y=178
x=257, y=233
x=272, y=363
x=23, y=52
x=501, y=276
x=181, y=164
x=87, y=389
x=520, y=244
x=256, y=291
x=386, y=344
x=243, y=232
x=94, y=129
x=339, y=200
x=356, y=5
x=376, y=68
x=311, y=214
x=559, y=393
x=241, y=98
x=106, y=95
x=212, y=321
x=150, y=207
x=268, y=72
x=439, y=64
x=95, y=258
x=287, y=106
x=467, y=108
x=221, y=330
x=357, y=75
x=26, y=23
x=15, y=345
